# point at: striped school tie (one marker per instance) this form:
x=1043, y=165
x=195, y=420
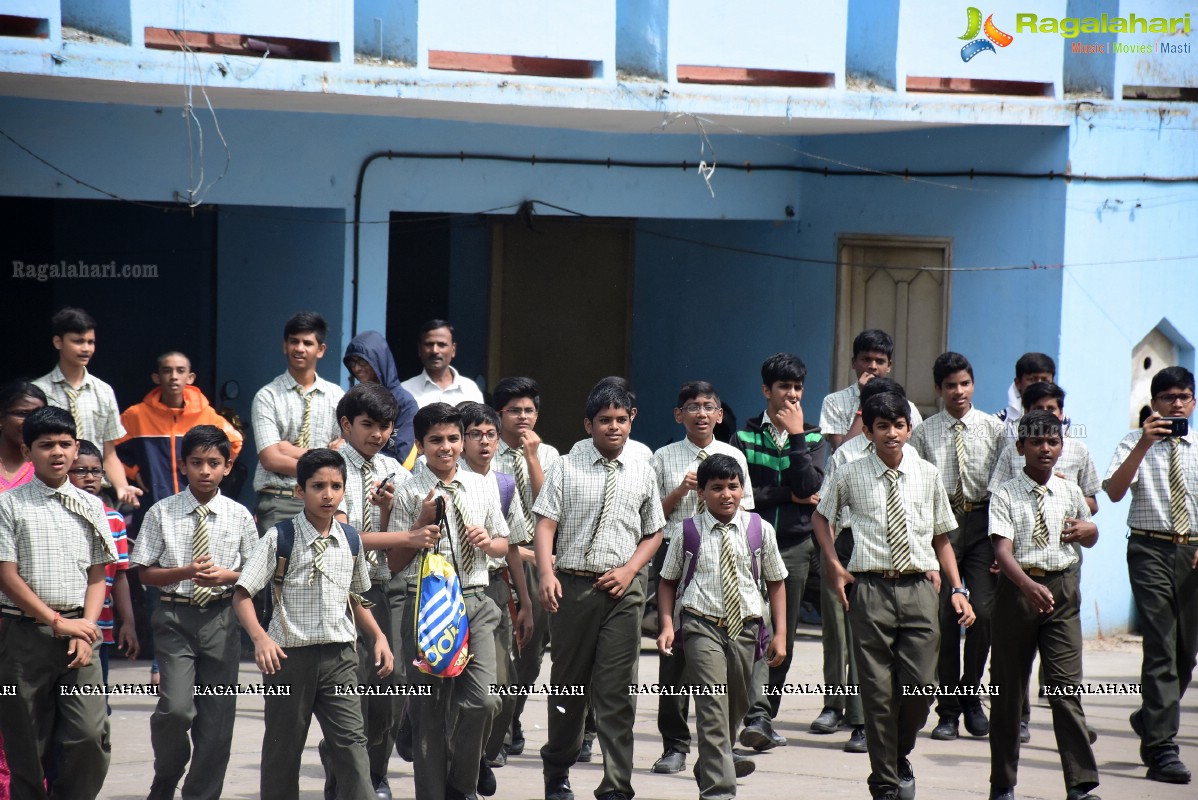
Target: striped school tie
x=73, y=406
x=1040, y=533
x=896, y=526
x=366, y=524
x=201, y=595
x=957, y=498
x=305, y=434
x=734, y=617
x=1177, y=491
x=468, y=551
x=522, y=485
x=319, y=544
x=702, y=456
x=609, y=500
x=77, y=508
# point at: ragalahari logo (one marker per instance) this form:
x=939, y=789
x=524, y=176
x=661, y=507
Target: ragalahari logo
x=978, y=45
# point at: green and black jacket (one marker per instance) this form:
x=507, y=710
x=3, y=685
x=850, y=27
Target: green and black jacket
x=777, y=474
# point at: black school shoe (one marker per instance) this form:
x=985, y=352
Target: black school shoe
x=946, y=730
x=1165, y=766
x=1025, y=733
x=1077, y=793
x=828, y=721
x=760, y=736
x=585, y=753
x=743, y=765
x=558, y=789
x=517, y=745
x=1002, y=794
x=671, y=761
x=856, y=742
x=975, y=720
x=906, y=787
x=330, y=782
x=382, y=789
x=486, y=779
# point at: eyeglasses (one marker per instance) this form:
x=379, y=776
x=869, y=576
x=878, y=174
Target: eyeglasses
x=83, y=472
x=695, y=408
x=1174, y=398
x=526, y=411
x=475, y=436
x=19, y=413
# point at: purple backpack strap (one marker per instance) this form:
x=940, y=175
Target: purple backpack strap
x=754, y=535
x=690, y=551
x=507, y=490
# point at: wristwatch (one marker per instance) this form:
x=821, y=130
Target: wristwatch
x=961, y=590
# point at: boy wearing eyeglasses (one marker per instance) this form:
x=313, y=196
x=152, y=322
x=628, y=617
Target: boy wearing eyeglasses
x=1159, y=464
x=698, y=411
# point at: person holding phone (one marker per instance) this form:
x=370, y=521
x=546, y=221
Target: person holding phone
x=1159, y=465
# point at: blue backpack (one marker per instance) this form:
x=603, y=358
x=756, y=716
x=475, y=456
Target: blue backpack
x=440, y=626
x=690, y=559
x=286, y=541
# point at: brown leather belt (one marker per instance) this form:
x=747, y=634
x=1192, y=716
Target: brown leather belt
x=1161, y=536
x=578, y=573
x=1036, y=572
x=891, y=574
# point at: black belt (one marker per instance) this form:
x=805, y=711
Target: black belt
x=719, y=622
x=181, y=600
x=1036, y=572
x=578, y=573
x=20, y=616
x=971, y=506
x=1162, y=536
x=891, y=574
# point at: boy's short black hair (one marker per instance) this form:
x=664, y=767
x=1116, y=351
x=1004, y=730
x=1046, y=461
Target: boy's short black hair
x=168, y=354
x=509, y=389
x=13, y=391
x=719, y=466
x=1167, y=378
x=609, y=393
x=317, y=459
x=783, y=367
x=948, y=363
x=207, y=437
x=1038, y=391
x=306, y=322
x=874, y=340
x=372, y=399
x=71, y=320
x=619, y=382
x=694, y=389
x=435, y=414
x=48, y=420
x=434, y=324
x=1039, y=423
x=1030, y=363
x=89, y=450
x=474, y=413
x=877, y=386
x=888, y=406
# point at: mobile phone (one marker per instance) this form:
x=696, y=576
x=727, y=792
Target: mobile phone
x=383, y=484
x=1178, y=426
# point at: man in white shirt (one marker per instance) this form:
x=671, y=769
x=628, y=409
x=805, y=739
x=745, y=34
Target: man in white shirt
x=438, y=382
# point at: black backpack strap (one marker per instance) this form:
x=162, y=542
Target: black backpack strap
x=286, y=538
x=353, y=537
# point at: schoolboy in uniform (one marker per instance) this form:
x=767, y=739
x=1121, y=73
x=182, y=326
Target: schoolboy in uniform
x=840, y=665
x=90, y=401
x=292, y=414
x=1036, y=520
x=721, y=609
x=698, y=411
x=963, y=443
x=601, y=510
x=786, y=458
x=506, y=585
x=366, y=415
x=526, y=458
x=54, y=543
x=451, y=724
x=1161, y=470
x=193, y=545
x=1029, y=369
x=309, y=650
x=900, y=518
x=873, y=357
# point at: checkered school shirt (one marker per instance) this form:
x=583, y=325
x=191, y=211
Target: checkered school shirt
x=1075, y=464
x=351, y=504
x=278, y=414
x=481, y=500
x=1013, y=516
x=705, y=593
x=984, y=438
x=672, y=462
x=308, y=614
x=863, y=486
x=53, y=547
x=839, y=408
x=518, y=532
x=168, y=533
x=1150, y=488
x=573, y=497
x=633, y=450
x=99, y=417
x=505, y=461
x=856, y=448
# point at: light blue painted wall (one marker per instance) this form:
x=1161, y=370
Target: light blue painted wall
x=995, y=315
x=1132, y=264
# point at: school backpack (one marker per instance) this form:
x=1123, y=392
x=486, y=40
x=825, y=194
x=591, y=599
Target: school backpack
x=507, y=490
x=440, y=626
x=690, y=559
x=286, y=541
